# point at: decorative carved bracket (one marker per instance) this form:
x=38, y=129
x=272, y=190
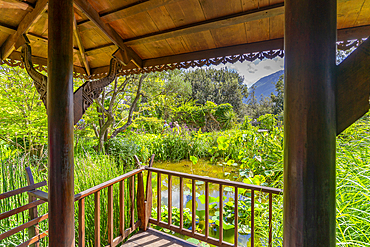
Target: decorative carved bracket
x=83, y=97
x=39, y=80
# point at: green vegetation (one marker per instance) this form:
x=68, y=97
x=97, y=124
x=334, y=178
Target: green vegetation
x=129, y=119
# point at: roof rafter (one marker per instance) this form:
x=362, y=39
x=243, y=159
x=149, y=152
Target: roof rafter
x=80, y=46
x=93, y=15
x=220, y=22
x=10, y=44
x=131, y=10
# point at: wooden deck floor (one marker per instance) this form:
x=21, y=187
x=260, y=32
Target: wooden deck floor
x=156, y=238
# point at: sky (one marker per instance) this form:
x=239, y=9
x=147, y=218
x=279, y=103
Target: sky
x=253, y=71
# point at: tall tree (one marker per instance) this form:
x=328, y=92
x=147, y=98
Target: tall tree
x=115, y=107
x=278, y=99
x=219, y=86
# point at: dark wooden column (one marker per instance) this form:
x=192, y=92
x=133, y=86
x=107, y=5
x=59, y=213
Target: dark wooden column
x=310, y=127
x=60, y=123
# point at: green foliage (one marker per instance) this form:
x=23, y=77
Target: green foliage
x=187, y=216
x=278, y=99
x=150, y=125
x=199, y=116
x=22, y=113
x=267, y=121
x=219, y=86
x=225, y=115
x=194, y=159
x=246, y=124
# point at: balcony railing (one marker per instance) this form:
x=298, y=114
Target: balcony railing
x=144, y=207
x=221, y=184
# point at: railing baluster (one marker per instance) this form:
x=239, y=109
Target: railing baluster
x=132, y=194
x=236, y=199
x=207, y=210
x=81, y=223
x=270, y=219
x=97, y=218
x=181, y=203
x=159, y=191
x=193, y=207
x=221, y=217
x=110, y=214
x=122, y=207
x=252, y=218
x=169, y=200
x=33, y=230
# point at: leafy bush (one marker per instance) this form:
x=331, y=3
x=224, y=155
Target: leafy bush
x=267, y=121
x=151, y=125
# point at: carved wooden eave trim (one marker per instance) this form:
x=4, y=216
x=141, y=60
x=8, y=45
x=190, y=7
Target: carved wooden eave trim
x=239, y=53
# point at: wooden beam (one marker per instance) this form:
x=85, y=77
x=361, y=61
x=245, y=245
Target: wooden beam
x=16, y=56
x=93, y=15
x=136, y=8
x=353, y=33
x=81, y=48
x=19, y=4
x=10, y=44
x=353, y=87
x=220, y=22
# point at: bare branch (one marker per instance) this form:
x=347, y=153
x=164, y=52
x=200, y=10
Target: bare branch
x=132, y=107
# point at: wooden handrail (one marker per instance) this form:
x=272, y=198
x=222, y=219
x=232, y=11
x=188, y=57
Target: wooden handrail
x=20, y=209
x=22, y=227
x=22, y=190
x=217, y=181
x=107, y=184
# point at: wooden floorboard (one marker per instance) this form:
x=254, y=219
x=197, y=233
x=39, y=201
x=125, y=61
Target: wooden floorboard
x=156, y=238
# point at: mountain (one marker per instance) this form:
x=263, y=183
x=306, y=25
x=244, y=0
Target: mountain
x=266, y=85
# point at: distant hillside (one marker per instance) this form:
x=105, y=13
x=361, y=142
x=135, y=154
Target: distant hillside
x=265, y=86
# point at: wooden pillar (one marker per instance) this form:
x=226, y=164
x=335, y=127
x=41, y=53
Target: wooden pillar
x=60, y=123
x=310, y=123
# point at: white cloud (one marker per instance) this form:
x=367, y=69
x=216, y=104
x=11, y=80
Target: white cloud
x=253, y=71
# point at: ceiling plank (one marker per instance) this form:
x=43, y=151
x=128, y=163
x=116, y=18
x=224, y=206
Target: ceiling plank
x=220, y=22
x=80, y=46
x=16, y=4
x=93, y=15
x=131, y=10
x=10, y=44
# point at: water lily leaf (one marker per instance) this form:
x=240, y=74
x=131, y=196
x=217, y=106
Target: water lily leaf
x=228, y=189
x=202, y=199
x=193, y=241
x=194, y=159
x=226, y=226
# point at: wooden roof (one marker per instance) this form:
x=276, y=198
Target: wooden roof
x=164, y=34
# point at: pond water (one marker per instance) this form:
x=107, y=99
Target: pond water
x=202, y=168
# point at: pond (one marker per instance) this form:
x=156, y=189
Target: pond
x=203, y=168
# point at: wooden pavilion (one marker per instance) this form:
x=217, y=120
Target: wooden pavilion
x=101, y=39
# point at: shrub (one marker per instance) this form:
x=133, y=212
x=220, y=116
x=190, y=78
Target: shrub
x=151, y=125
x=267, y=121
